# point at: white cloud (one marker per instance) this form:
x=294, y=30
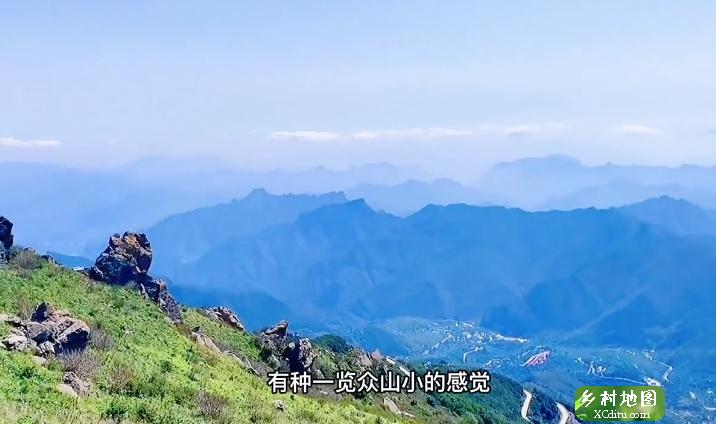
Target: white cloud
x=635, y=129
x=305, y=135
x=421, y=133
x=415, y=133
x=15, y=143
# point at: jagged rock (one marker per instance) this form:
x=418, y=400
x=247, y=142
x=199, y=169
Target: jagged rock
x=300, y=355
x=59, y=328
x=46, y=349
x=274, y=337
x=18, y=343
x=79, y=386
x=279, y=405
x=156, y=291
x=49, y=332
x=364, y=361
x=279, y=330
x=126, y=260
x=226, y=316
x=6, y=239
x=393, y=408
x=10, y=319
x=203, y=340
x=376, y=356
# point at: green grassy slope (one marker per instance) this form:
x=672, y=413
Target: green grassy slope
x=149, y=372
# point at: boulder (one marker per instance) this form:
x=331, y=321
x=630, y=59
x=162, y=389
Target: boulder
x=49, y=332
x=287, y=352
x=16, y=342
x=203, y=340
x=390, y=405
x=300, y=355
x=226, y=316
x=79, y=386
x=6, y=239
x=279, y=405
x=275, y=334
x=125, y=260
x=63, y=331
x=156, y=291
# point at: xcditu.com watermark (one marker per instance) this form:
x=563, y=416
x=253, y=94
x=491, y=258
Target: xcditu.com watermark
x=619, y=403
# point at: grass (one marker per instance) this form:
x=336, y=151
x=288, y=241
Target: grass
x=150, y=372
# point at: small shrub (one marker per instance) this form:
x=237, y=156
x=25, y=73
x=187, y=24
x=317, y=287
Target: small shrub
x=166, y=366
x=100, y=339
x=123, y=380
x=83, y=363
x=116, y=410
x=24, y=307
x=24, y=261
x=211, y=406
x=154, y=385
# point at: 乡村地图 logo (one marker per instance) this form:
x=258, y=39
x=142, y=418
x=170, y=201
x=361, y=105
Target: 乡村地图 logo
x=619, y=403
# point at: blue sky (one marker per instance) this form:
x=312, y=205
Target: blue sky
x=443, y=85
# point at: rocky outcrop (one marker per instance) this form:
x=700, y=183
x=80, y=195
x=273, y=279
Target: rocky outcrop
x=226, y=316
x=203, y=340
x=391, y=406
x=79, y=386
x=6, y=239
x=48, y=332
x=126, y=261
x=300, y=355
x=156, y=291
x=285, y=351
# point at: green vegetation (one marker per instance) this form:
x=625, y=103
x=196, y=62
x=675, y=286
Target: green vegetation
x=335, y=344
x=145, y=369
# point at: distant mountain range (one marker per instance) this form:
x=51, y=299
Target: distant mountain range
x=581, y=273
x=74, y=211
x=186, y=237
x=562, y=182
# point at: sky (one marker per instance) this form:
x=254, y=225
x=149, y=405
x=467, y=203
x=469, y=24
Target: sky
x=449, y=86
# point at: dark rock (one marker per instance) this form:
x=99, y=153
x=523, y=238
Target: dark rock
x=6, y=239
x=226, y=316
x=156, y=291
x=17, y=342
x=285, y=351
x=49, y=332
x=277, y=332
x=126, y=260
x=300, y=355
x=43, y=312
